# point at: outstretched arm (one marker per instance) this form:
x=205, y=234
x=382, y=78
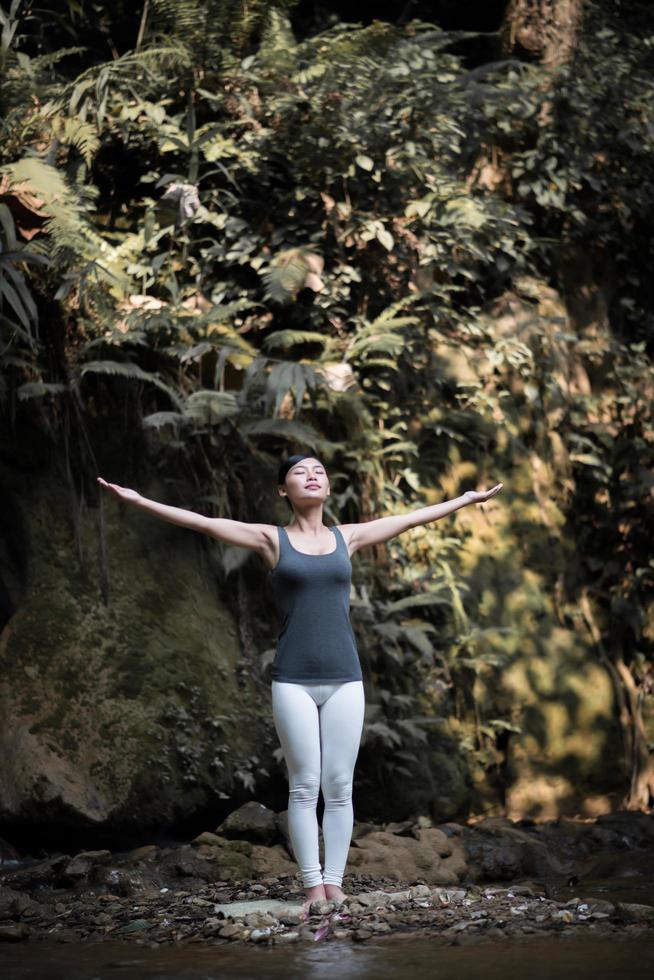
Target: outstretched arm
x=255, y=536
x=383, y=528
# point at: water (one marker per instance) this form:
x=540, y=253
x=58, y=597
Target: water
x=395, y=959
x=615, y=878
x=622, y=878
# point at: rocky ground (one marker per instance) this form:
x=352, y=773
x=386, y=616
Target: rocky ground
x=489, y=880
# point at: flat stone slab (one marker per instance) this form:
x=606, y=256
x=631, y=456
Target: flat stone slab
x=240, y=909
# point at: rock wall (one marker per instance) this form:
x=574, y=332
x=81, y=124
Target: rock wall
x=132, y=714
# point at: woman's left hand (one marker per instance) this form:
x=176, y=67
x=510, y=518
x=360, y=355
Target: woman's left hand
x=479, y=496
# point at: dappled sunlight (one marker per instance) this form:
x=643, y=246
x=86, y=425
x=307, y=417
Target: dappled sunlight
x=424, y=257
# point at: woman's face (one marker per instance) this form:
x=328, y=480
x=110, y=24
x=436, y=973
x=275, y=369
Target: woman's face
x=306, y=479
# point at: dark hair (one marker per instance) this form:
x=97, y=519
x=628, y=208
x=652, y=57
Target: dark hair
x=290, y=461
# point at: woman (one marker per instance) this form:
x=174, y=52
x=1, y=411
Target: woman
x=317, y=689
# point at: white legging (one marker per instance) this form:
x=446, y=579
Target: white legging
x=319, y=727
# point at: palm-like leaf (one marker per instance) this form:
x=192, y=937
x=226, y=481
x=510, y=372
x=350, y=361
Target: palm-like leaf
x=132, y=372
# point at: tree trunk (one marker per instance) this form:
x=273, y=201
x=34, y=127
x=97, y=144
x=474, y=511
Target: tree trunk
x=544, y=29
x=641, y=786
x=639, y=762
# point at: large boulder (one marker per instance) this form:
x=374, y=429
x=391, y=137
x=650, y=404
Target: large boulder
x=239, y=859
x=267, y=861
x=253, y=821
x=128, y=714
x=498, y=850
x=438, y=783
x=430, y=855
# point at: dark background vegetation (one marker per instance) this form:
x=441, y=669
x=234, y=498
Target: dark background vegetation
x=473, y=185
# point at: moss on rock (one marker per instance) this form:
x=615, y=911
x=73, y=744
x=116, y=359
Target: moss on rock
x=129, y=713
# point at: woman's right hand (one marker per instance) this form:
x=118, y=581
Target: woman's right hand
x=123, y=493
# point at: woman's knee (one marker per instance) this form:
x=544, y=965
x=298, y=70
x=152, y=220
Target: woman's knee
x=304, y=789
x=337, y=788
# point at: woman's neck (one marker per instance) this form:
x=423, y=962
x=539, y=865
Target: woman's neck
x=310, y=522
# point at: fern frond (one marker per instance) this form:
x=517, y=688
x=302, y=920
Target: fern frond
x=43, y=61
x=92, y=87
x=84, y=137
x=215, y=30
x=283, y=282
x=156, y=420
x=67, y=228
x=287, y=376
x=289, y=338
x=126, y=369
x=290, y=271
x=37, y=389
x=389, y=343
x=388, y=314
x=209, y=407
x=413, y=601
x=287, y=429
x=277, y=36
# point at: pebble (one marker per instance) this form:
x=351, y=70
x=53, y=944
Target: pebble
x=14, y=933
x=380, y=927
x=291, y=919
x=599, y=905
x=260, y=920
x=447, y=895
x=212, y=922
x=322, y=907
x=420, y=891
x=131, y=908
x=22, y=905
x=374, y=899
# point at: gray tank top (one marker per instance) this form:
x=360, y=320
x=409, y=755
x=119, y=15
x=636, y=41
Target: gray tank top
x=316, y=642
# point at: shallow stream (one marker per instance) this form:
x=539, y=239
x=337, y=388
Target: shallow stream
x=626, y=877
x=395, y=959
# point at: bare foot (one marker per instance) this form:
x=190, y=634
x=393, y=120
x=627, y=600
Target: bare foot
x=314, y=894
x=334, y=893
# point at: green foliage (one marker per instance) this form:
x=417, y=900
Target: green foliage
x=194, y=185
x=18, y=311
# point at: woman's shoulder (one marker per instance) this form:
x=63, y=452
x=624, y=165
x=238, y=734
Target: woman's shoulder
x=345, y=530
